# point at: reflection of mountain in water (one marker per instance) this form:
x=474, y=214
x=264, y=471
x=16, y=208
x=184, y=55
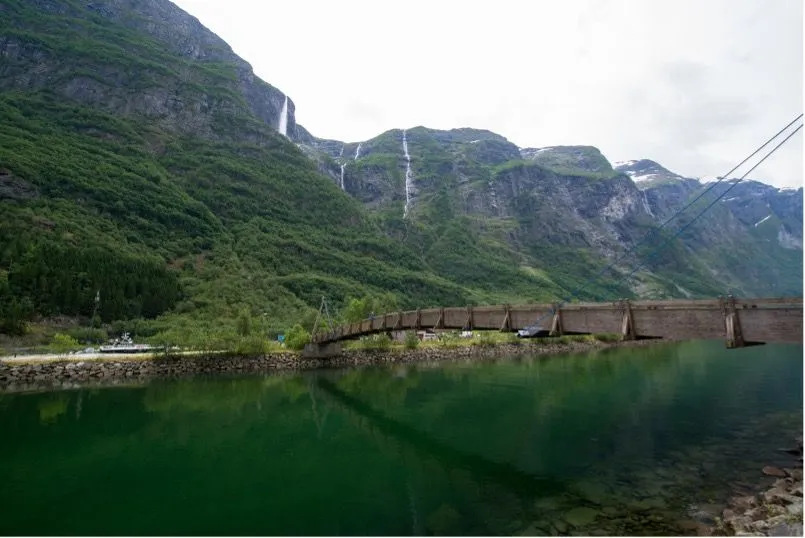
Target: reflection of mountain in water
x=612, y=430
x=500, y=490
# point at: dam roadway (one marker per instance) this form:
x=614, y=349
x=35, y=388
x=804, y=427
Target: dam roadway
x=738, y=321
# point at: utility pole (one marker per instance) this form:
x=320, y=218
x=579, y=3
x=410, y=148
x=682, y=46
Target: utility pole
x=95, y=310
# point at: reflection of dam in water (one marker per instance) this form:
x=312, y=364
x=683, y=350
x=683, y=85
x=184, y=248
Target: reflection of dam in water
x=498, y=494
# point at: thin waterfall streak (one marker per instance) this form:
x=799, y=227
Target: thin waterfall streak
x=358, y=151
x=343, y=165
x=283, y=126
x=407, y=175
x=645, y=204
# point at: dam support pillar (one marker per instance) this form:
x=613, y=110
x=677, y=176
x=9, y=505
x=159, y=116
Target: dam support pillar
x=556, y=322
x=732, y=323
x=326, y=350
x=627, y=321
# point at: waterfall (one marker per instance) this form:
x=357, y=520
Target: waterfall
x=341, y=153
x=407, y=176
x=358, y=151
x=283, y=126
x=343, y=165
x=645, y=204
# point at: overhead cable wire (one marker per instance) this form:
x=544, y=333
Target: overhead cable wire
x=654, y=231
x=679, y=232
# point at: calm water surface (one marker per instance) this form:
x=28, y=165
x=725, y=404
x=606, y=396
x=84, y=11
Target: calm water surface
x=625, y=441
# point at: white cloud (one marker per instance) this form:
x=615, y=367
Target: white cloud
x=693, y=85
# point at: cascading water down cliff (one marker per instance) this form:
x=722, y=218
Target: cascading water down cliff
x=408, y=182
x=645, y=204
x=283, y=125
x=343, y=165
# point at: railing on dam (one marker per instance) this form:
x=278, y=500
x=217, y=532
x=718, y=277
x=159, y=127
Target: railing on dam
x=739, y=321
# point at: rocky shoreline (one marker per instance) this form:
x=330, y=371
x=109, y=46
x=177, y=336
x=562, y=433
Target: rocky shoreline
x=776, y=511
x=66, y=374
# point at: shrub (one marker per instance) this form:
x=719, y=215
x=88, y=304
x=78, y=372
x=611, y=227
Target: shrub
x=484, y=338
x=297, y=337
x=88, y=335
x=568, y=338
x=449, y=340
x=411, y=340
x=513, y=339
x=252, y=345
x=62, y=343
x=608, y=337
x=379, y=342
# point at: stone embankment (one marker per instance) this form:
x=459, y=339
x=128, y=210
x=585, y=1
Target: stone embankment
x=39, y=375
x=776, y=511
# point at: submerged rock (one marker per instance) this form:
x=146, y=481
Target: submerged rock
x=560, y=526
x=536, y=529
x=654, y=503
x=547, y=504
x=743, y=503
x=796, y=474
x=773, y=471
x=594, y=492
x=689, y=525
x=786, y=529
x=581, y=516
x=610, y=511
x=704, y=517
x=774, y=512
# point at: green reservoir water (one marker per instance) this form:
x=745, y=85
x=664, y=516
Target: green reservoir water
x=622, y=441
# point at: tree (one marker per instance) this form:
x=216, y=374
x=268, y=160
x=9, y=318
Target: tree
x=356, y=310
x=297, y=337
x=244, y=324
x=62, y=343
x=360, y=309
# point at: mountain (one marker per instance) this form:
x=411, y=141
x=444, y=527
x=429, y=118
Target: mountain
x=141, y=158
x=144, y=174
x=566, y=213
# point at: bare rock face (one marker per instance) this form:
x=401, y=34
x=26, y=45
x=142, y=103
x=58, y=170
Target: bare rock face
x=571, y=210
x=15, y=188
x=569, y=158
x=199, y=81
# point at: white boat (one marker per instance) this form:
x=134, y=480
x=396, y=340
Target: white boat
x=124, y=344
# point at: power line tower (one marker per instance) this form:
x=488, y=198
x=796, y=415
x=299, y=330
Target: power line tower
x=324, y=317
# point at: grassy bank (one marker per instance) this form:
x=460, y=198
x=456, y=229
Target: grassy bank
x=62, y=346
x=449, y=340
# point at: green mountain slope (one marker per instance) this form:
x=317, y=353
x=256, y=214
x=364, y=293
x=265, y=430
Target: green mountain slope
x=236, y=225
x=161, y=216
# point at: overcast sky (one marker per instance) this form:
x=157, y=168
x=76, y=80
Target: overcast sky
x=695, y=85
